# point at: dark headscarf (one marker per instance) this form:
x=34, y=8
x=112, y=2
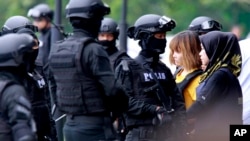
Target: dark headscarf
x=223, y=50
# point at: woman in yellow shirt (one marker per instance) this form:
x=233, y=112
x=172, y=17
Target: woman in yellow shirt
x=184, y=53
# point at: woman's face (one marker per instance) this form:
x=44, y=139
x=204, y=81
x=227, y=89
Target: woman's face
x=177, y=58
x=204, y=58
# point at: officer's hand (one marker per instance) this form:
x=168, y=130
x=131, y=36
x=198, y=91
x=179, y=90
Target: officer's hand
x=160, y=110
x=162, y=117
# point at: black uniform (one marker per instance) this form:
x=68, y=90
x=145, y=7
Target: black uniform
x=33, y=81
x=44, y=47
x=43, y=13
x=116, y=57
x=37, y=87
x=142, y=106
x=38, y=94
x=156, y=107
x=85, y=85
x=16, y=120
x=15, y=123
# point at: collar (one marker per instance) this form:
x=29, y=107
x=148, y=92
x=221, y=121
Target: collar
x=82, y=32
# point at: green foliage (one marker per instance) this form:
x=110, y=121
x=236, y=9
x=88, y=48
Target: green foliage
x=228, y=12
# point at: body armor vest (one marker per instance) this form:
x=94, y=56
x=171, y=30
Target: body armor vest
x=115, y=58
x=5, y=129
x=77, y=90
x=146, y=88
x=183, y=84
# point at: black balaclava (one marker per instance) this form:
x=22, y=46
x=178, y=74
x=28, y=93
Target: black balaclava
x=152, y=47
x=90, y=25
x=109, y=46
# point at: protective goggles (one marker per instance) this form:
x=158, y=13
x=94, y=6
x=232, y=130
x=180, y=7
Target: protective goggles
x=211, y=25
x=166, y=23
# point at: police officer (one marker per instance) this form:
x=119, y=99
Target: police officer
x=108, y=36
x=155, y=101
x=84, y=79
x=16, y=121
x=42, y=16
x=34, y=81
x=204, y=24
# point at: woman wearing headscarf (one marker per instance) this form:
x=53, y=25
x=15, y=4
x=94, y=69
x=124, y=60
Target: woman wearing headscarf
x=218, y=103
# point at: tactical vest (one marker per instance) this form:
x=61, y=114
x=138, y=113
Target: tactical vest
x=115, y=58
x=183, y=84
x=77, y=90
x=5, y=129
x=145, y=88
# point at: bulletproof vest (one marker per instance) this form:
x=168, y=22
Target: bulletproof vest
x=5, y=129
x=115, y=58
x=77, y=90
x=145, y=88
x=183, y=84
x=143, y=82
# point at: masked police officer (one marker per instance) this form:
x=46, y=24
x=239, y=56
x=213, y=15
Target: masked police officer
x=16, y=121
x=84, y=79
x=34, y=81
x=42, y=16
x=204, y=24
x=155, y=105
x=108, y=36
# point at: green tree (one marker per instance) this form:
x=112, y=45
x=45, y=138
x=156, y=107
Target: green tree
x=228, y=12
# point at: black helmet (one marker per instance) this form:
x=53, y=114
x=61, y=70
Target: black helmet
x=41, y=10
x=203, y=24
x=149, y=24
x=86, y=9
x=109, y=26
x=13, y=48
x=15, y=23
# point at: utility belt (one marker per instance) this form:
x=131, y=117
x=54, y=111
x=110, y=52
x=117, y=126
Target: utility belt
x=103, y=119
x=101, y=114
x=144, y=132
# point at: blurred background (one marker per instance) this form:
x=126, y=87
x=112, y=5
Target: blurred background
x=231, y=13
x=234, y=15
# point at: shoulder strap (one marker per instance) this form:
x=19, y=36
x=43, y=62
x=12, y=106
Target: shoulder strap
x=117, y=57
x=188, y=78
x=178, y=69
x=83, y=42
